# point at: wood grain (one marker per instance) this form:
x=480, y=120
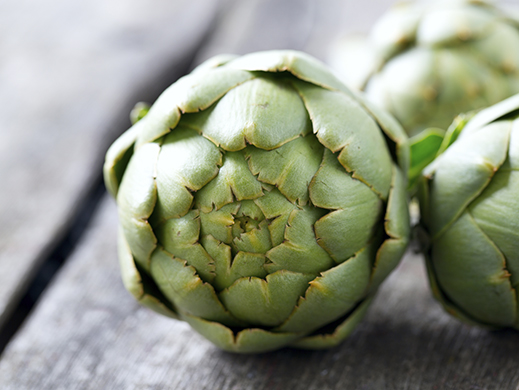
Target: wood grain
x=88, y=333
x=70, y=72
x=308, y=25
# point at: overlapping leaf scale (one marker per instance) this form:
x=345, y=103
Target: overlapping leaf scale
x=265, y=302
x=336, y=120
x=357, y=209
x=496, y=209
x=234, y=182
x=491, y=114
x=277, y=208
x=340, y=332
x=463, y=171
x=180, y=236
x=466, y=82
x=139, y=285
x=413, y=42
x=333, y=294
x=392, y=129
x=219, y=223
x=396, y=226
x=182, y=286
x=117, y=158
x=395, y=30
x=449, y=306
x=496, y=212
x=471, y=271
x=290, y=167
x=136, y=200
x=447, y=25
x=300, y=251
x=245, y=341
x=407, y=86
x=255, y=240
x=491, y=224
x=228, y=268
x=178, y=173
x=191, y=93
x=301, y=65
x=491, y=47
x=224, y=239
x=265, y=112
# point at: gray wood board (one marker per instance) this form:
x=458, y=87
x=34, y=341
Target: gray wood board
x=309, y=25
x=89, y=333
x=70, y=73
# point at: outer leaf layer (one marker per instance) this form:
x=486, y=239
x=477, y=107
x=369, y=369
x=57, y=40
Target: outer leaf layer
x=252, y=199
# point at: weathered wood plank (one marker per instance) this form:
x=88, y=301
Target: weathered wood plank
x=88, y=333
x=308, y=25
x=70, y=72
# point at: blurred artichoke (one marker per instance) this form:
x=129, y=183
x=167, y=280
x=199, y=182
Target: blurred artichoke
x=260, y=201
x=470, y=210
x=427, y=63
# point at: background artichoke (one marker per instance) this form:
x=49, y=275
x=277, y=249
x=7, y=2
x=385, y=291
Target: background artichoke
x=470, y=210
x=260, y=201
x=427, y=63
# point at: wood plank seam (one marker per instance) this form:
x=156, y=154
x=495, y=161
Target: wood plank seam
x=58, y=250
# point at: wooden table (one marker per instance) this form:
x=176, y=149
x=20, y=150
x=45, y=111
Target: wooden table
x=70, y=72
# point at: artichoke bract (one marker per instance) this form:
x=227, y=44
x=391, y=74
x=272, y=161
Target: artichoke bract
x=260, y=201
x=427, y=63
x=470, y=209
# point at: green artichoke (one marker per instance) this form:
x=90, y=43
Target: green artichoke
x=470, y=211
x=427, y=63
x=260, y=201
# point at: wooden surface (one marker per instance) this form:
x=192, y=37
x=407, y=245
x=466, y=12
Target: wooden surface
x=70, y=73
x=88, y=333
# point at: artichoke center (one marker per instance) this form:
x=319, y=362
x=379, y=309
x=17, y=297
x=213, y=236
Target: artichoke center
x=244, y=225
x=247, y=219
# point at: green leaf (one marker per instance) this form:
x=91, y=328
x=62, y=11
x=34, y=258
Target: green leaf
x=424, y=148
x=252, y=340
x=117, y=158
x=300, y=251
x=228, y=270
x=319, y=340
x=290, y=167
x=182, y=286
x=263, y=112
x=136, y=200
x=496, y=211
x=140, y=285
x=233, y=182
x=265, y=302
x=471, y=271
x=301, y=65
x=463, y=171
x=342, y=125
x=397, y=228
x=179, y=236
x=191, y=93
x=333, y=294
x=179, y=171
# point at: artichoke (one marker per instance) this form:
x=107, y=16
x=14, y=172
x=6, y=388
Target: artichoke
x=260, y=201
x=470, y=212
x=427, y=63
